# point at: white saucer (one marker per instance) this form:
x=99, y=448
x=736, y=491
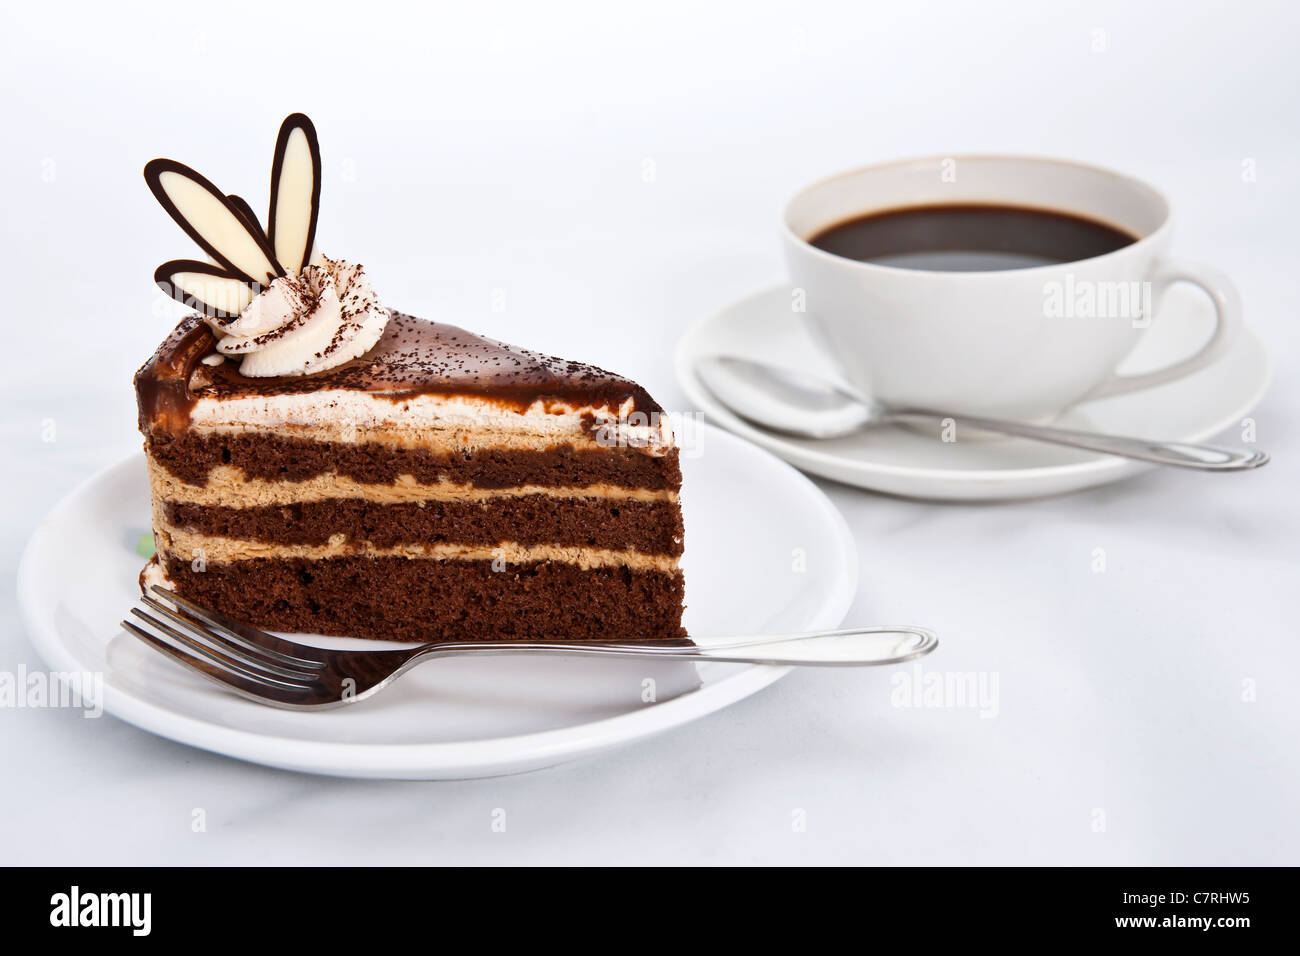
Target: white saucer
x=467, y=717
x=900, y=461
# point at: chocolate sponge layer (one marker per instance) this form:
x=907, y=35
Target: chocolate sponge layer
x=651, y=527
x=421, y=600
x=275, y=458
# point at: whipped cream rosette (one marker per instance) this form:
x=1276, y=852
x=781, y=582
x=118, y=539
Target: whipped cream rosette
x=323, y=317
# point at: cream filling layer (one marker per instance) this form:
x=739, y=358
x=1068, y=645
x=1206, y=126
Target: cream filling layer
x=432, y=438
x=227, y=487
x=343, y=413
x=209, y=549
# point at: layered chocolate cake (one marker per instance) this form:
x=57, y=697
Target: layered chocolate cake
x=320, y=463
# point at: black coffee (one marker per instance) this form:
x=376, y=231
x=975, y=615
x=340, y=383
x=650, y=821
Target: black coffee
x=970, y=238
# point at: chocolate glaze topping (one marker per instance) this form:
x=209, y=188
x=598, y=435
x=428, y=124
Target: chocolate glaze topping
x=413, y=357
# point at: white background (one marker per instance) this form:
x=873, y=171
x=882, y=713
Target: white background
x=505, y=148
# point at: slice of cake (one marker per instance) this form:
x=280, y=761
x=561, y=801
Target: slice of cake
x=319, y=463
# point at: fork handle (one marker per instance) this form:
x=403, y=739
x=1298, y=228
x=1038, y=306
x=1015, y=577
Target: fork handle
x=851, y=647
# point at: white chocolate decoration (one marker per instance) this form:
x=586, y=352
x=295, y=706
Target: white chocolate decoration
x=295, y=193
x=209, y=216
x=272, y=302
x=204, y=287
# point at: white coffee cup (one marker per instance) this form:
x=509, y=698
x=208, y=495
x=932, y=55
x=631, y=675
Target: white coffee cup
x=1021, y=343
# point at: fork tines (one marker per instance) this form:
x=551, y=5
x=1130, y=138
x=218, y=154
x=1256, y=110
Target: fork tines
x=215, y=647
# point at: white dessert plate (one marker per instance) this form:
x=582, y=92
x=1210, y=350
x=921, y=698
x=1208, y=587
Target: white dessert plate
x=901, y=461
x=467, y=717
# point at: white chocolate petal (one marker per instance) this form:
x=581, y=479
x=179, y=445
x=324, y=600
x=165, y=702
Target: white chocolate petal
x=293, y=208
x=217, y=223
x=223, y=293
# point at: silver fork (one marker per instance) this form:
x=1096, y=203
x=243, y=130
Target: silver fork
x=272, y=670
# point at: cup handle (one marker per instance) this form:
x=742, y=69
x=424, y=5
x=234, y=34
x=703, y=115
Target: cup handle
x=1227, y=307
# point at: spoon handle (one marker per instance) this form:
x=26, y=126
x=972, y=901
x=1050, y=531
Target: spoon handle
x=1180, y=454
x=853, y=647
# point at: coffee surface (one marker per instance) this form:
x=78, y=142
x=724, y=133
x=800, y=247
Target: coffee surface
x=970, y=238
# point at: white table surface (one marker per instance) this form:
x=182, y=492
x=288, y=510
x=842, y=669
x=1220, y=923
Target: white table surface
x=511, y=151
